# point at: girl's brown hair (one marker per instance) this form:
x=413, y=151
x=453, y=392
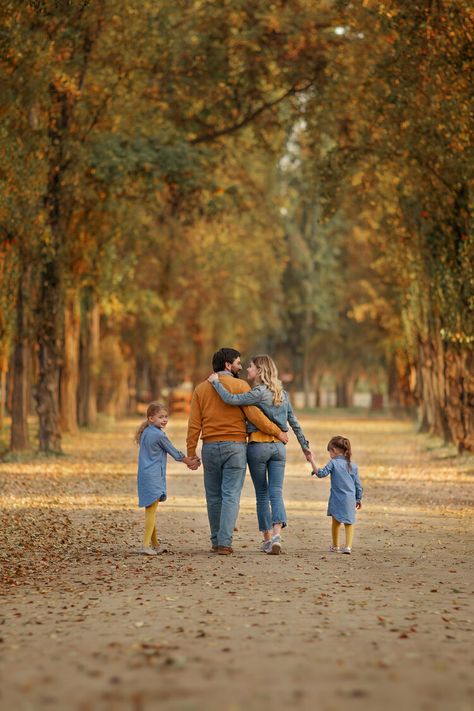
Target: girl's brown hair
x=153, y=409
x=342, y=443
x=269, y=376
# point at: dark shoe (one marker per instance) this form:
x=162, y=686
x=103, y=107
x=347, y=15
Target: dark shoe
x=213, y=549
x=225, y=550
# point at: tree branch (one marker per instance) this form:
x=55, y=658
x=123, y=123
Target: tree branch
x=208, y=137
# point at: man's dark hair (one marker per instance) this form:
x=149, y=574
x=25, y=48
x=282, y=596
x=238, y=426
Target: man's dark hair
x=223, y=356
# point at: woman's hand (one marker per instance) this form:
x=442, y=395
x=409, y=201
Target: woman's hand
x=311, y=460
x=283, y=437
x=213, y=377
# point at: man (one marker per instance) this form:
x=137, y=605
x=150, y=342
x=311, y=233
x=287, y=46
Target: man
x=224, y=450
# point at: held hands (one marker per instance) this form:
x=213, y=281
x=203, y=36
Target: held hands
x=192, y=462
x=310, y=457
x=213, y=377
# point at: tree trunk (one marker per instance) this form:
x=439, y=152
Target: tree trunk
x=50, y=350
x=19, y=438
x=317, y=390
x=155, y=377
x=50, y=312
x=88, y=362
x=113, y=377
x=441, y=427
x=307, y=388
x=3, y=390
x=460, y=397
x=69, y=378
x=345, y=392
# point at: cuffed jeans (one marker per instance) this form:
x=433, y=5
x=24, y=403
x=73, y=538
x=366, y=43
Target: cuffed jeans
x=266, y=462
x=225, y=464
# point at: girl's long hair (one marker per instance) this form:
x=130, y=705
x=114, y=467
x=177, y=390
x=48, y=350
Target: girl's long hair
x=153, y=409
x=269, y=376
x=342, y=443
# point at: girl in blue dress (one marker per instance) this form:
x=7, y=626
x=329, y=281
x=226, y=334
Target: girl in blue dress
x=154, y=448
x=346, y=490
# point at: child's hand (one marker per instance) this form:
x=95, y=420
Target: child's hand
x=308, y=454
x=358, y=504
x=192, y=462
x=213, y=377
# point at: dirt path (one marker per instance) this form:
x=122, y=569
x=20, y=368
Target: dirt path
x=88, y=624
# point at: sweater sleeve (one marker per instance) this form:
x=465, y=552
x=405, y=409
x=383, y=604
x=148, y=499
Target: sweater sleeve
x=252, y=397
x=261, y=421
x=194, y=426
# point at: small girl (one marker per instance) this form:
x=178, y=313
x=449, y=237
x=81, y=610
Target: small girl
x=154, y=446
x=346, y=490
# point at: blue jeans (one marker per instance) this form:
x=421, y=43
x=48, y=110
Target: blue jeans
x=267, y=467
x=225, y=464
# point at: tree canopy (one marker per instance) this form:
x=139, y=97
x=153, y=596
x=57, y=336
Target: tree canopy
x=288, y=176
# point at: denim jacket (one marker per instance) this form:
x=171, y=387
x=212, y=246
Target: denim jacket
x=261, y=396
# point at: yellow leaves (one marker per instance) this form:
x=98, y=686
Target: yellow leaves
x=64, y=83
x=357, y=179
x=273, y=23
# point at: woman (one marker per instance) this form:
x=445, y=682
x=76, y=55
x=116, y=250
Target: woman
x=266, y=456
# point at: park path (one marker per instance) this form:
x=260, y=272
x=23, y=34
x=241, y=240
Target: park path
x=88, y=624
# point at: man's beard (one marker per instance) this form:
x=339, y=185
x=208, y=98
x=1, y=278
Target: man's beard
x=234, y=374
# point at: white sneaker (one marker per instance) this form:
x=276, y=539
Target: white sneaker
x=334, y=549
x=146, y=550
x=266, y=547
x=160, y=548
x=275, y=545
x=347, y=550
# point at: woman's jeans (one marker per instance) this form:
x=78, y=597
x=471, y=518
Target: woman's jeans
x=266, y=462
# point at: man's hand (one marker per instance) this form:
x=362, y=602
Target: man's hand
x=358, y=504
x=283, y=437
x=192, y=462
x=213, y=377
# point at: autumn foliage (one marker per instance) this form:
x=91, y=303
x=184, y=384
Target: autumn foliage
x=293, y=177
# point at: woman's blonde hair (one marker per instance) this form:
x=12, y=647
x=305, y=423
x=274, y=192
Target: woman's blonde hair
x=269, y=376
x=153, y=409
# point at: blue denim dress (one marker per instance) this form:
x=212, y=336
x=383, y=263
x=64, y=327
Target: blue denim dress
x=346, y=489
x=154, y=447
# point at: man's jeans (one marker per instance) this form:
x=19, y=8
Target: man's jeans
x=225, y=464
x=268, y=458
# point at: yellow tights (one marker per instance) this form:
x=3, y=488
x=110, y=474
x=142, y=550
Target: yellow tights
x=349, y=529
x=150, y=525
